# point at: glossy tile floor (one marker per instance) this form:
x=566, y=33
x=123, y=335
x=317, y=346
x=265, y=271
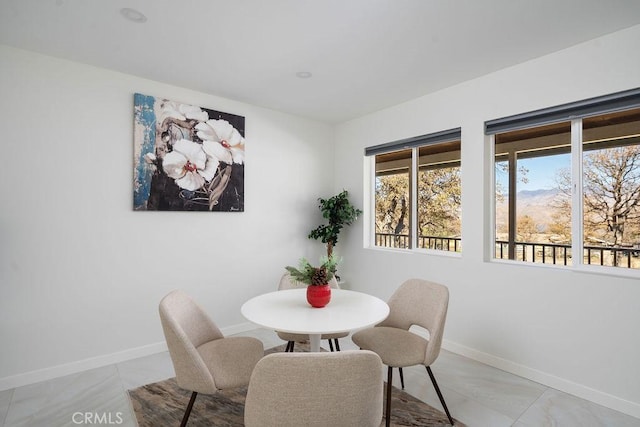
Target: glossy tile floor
x=476, y=394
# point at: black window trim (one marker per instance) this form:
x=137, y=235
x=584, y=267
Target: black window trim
x=618, y=101
x=416, y=141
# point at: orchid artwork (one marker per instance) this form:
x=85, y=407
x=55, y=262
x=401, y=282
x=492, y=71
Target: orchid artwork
x=186, y=158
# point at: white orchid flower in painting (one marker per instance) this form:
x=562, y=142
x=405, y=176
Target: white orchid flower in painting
x=189, y=165
x=221, y=140
x=150, y=160
x=183, y=111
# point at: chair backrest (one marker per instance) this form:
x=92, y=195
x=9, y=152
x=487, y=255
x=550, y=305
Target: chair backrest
x=421, y=303
x=287, y=282
x=186, y=326
x=316, y=389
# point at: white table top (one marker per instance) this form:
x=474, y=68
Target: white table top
x=289, y=311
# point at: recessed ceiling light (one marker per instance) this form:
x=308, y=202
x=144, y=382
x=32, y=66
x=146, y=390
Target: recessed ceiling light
x=133, y=15
x=303, y=74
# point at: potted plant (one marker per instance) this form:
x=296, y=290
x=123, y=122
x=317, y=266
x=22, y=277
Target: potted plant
x=340, y=212
x=318, y=291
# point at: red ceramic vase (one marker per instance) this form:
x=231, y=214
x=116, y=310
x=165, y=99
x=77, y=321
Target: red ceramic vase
x=318, y=295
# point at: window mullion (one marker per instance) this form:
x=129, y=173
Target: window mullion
x=577, y=233
x=413, y=188
x=493, y=232
x=371, y=185
x=513, y=190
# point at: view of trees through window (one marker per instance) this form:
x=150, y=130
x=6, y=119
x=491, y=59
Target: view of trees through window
x=533, y=206
x=437, y=191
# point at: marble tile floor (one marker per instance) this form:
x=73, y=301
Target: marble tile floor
x=476, y=394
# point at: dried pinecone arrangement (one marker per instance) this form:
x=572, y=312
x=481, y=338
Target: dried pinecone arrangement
x=321, y=275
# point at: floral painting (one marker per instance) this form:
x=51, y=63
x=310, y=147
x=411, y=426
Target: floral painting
x=186, y=158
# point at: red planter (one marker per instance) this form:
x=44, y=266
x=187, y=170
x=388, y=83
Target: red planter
x=318, y=295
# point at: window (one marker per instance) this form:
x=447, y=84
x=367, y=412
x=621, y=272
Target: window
x=532, y=217
x=567, y=192
x=611, y=189
x=417, y=193
x=393, y=199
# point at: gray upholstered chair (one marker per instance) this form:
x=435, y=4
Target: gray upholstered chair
x=316, y=389
x=286, y=282
x=416, y=302
x=203, y=359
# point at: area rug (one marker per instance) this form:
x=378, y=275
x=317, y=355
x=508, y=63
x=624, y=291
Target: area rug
x=163, y=404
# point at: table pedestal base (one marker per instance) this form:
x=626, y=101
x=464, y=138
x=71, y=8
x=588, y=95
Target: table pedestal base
x=314, y=341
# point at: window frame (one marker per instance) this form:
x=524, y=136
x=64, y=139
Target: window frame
x=413, y=143
x=574, y=113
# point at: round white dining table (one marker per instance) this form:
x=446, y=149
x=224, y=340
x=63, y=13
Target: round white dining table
x=289, y=311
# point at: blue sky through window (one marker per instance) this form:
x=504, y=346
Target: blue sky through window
x=541, y=172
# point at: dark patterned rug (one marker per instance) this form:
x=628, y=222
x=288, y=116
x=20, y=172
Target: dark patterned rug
x=163, y=404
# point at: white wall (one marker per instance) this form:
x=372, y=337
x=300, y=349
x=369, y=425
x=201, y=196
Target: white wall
x=81, y=273
x=573, y=331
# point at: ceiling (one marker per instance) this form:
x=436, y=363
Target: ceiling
x=364, y=55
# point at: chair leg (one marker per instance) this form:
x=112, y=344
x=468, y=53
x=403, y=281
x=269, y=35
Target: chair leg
x=289, y=348
x=337, y=344
x=331, y=344
x=189, y=407
x=401, y=378
x=435, y=385
x=388, y=408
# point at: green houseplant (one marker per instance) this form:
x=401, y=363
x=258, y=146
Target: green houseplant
x=339, y=212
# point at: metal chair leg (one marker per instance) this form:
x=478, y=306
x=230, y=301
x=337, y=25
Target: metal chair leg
x=289, y=348
x=435, y=385
x=330, y=344
x=388, y=408
x=337, y=344
x=401, y=378
x=189, y=407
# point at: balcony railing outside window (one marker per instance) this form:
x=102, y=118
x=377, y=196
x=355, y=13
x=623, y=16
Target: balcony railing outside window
x=551, y=253
x=401, y=241
x=541, y=253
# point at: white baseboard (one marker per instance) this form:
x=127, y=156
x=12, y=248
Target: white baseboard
x=558, y=383
x=79, y=366
x=57, y=371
